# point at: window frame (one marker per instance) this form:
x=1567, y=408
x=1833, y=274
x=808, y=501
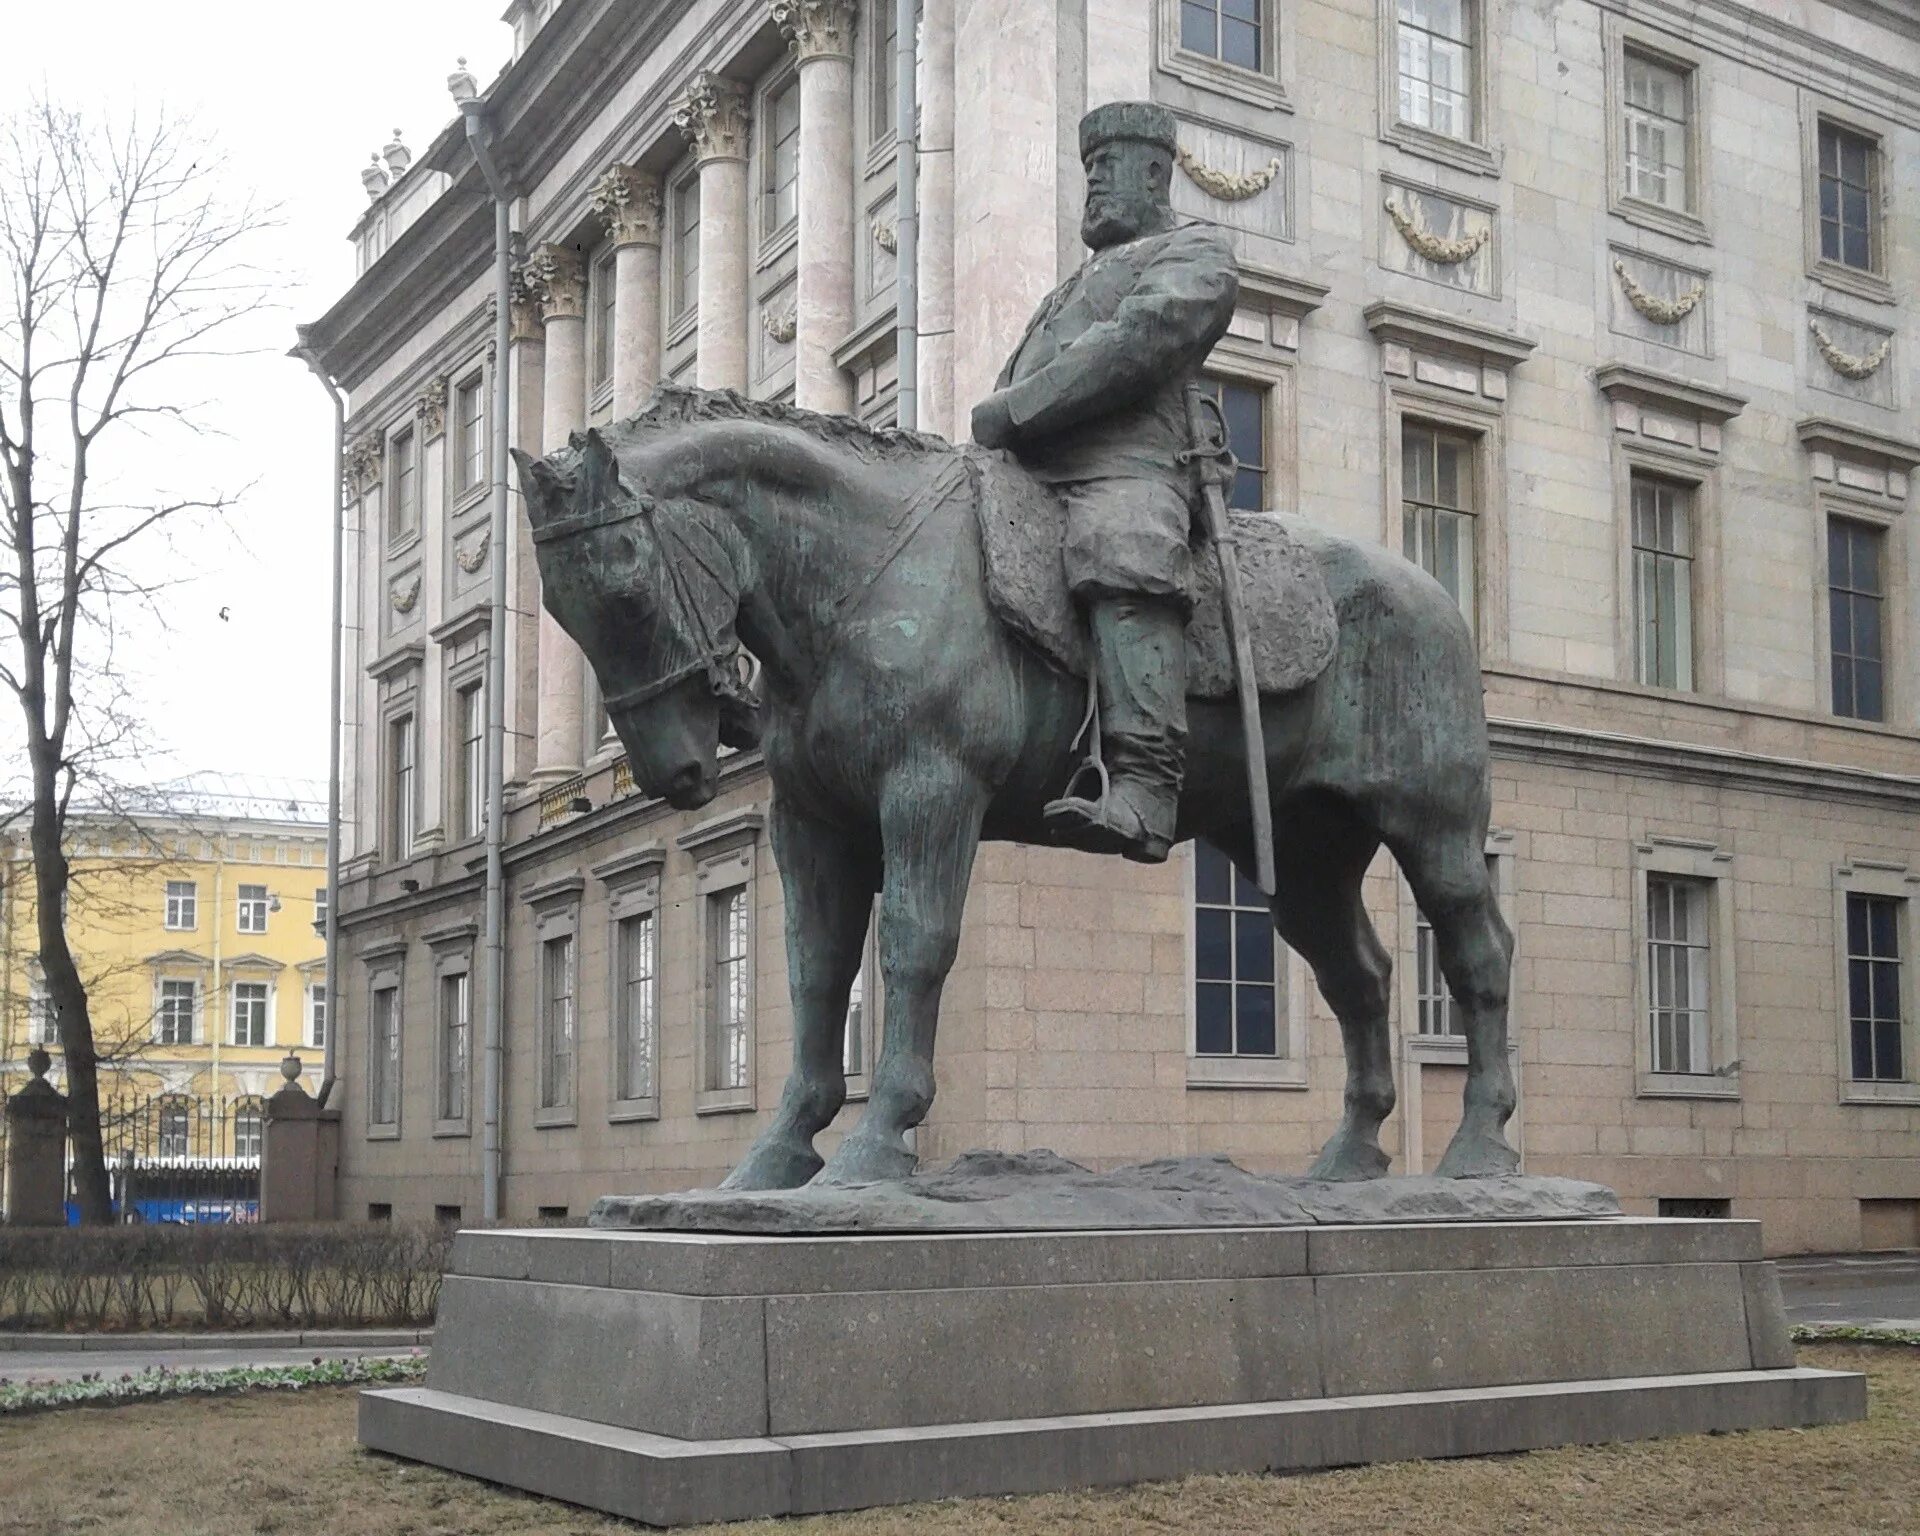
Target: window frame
x=1859, y=876
x=632, y=883
x=1871, y=283
x=602, y=319
x=1475, y=494
x=467, y=748
x=883, y=99
x=859, y=1075
x=265, y=999
x=470, y=443
x=455, y=969
x=1265, y=87
x=774, y=233
x=1445, y=1049
x=258, y=906
x=386, y=975
x=1693, y=222
x=556, y=918
x=393, y=803
x=1476, y=153
x=726, y=856
x=194, y=991
x=1263, y=392
x=250, y=1107
x=315, y=1001
x=403, y=470
x=1638, y=467
x=681, y=309
x=1289, y=1069
x=1711, y=865
x=179, y=905
x=43, y=1019
x=1895, y=683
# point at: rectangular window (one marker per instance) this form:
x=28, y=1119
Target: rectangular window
x=1679, y=961
x=1436, y=66
x=383, y=1053
x=320, y=910
x=604, y=288
x=1245, y=408
x=249, y=1013
x=1873, y=986
x=886, y=73
x=43, y=1023
x=251, y=913
x=470, y=434
x=686, y=246
x=1849, y=197
x=249, y=1129
x=455, y=1022
x=1437, y=510
x=174, y=1024
x=403, y=515
x=1855, y=598
x=556, y=1022
x=183, y=904
x=1662, y=582
x=783, y=158
x=1228, y=30
x=317, y=1015
x=469, y=769
x=1436, y=1011
x=400, y=784
x=175, y=1132
x=636, y=952
x=729, y=1000
x=1656, y=110
x=1235, y=974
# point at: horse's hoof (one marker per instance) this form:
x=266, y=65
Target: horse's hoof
x=867, y=1162
x=1478, y=1156
x=774, y=1165
x=1347, y=1159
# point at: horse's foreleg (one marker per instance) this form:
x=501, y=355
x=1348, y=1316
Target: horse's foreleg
x=1475, y=949
x=930, y=818
x=829, y=879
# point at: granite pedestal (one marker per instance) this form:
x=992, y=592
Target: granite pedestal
x=680, y=1377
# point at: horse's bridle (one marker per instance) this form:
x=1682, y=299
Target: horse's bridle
x=725, y=665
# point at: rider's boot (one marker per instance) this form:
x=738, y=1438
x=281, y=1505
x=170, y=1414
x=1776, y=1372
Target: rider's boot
x=1140, y=672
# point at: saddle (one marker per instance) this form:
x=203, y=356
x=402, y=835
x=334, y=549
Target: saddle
x=1290, y=615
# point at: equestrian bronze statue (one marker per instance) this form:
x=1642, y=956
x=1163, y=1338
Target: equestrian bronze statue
x=932, y=622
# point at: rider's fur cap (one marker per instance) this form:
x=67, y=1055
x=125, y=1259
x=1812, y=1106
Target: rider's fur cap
x=1140, y=121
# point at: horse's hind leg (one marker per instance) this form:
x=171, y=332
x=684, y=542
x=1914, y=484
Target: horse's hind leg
x=1318, y=911
x=1446, y=866
x=829, y=879
x=930, y=815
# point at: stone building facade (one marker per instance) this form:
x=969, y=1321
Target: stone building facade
x=1603, y=310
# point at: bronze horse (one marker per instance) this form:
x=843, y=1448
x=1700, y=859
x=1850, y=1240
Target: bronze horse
x=903, y=723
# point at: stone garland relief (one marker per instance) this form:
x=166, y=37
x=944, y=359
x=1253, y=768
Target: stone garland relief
x=781, y=326
x=1661, y=311
x=886, y=235
x=404, y=594
x=1228, y=186
x=474, y=555
x=1850, y=365
x=1436, y=248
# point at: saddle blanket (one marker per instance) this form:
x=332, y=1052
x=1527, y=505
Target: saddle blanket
x=1292, y=626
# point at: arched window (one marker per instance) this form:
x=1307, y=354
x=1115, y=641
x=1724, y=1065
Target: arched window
x=174, y=1117
x=249, y=1127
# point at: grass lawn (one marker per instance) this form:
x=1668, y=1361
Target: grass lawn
x=270, y=1463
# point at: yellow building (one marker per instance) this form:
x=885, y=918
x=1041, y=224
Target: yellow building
x=197, y=926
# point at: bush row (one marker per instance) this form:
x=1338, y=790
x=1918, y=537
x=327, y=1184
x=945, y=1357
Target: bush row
x=342, y=1275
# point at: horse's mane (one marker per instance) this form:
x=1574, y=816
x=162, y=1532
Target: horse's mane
x=675, y=405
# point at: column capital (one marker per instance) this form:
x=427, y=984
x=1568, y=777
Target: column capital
x=523, y=313
x=628, y=201
x=713, y=116
x=817, y=29
x=557, y=281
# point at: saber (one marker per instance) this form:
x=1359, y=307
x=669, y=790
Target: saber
x=1206, y=445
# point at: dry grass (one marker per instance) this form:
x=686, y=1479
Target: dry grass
x=275, y=1464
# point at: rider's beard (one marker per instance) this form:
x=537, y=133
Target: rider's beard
x=1108, y=221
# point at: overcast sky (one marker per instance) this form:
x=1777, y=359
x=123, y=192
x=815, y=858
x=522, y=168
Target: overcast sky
x=297, y=96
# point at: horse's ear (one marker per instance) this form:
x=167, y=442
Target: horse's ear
x=599, y=468
x=539, y=485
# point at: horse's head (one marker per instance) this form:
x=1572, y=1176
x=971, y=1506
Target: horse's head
x=649, y=591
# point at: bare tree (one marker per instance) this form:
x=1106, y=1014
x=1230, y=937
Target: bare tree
x=124, y=263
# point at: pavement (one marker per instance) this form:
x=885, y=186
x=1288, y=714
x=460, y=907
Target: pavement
x=1876, y=1290
x=66, y=1357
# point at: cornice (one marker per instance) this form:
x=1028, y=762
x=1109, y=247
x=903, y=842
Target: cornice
x=1624, y=381
x=1281, y=292
x=1838, y=437
x=462, y=626
x=1432, y=330
x=412, y=654
x=555, y=889
x=742, y=824
x=632, y=867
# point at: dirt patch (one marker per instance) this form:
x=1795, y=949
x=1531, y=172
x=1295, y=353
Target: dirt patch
x=289, y=1464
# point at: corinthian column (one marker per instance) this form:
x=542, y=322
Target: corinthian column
x=821, y=32
x=714, y=119
x=558, y=284
x=629, y=201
